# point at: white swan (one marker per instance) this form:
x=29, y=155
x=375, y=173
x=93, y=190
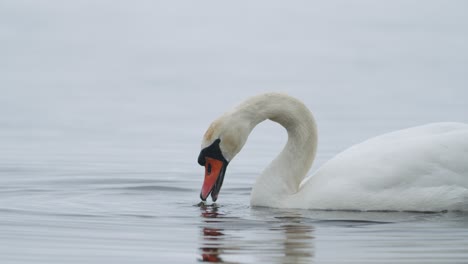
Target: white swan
x=423, y=168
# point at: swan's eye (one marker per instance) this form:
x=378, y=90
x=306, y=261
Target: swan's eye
x=208, y=168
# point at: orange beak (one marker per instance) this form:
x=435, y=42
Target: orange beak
x=214, y=175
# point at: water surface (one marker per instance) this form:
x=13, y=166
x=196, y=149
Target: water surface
x=103, y=105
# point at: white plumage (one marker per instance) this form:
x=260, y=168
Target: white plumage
x=423, y=168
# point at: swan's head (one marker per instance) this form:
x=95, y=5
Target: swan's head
x=222, y=141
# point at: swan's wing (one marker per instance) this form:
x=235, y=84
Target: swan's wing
x=426, y=163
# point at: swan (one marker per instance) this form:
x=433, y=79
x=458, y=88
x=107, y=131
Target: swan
x=423, y=168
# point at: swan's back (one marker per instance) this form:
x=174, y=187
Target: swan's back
x=423, y=168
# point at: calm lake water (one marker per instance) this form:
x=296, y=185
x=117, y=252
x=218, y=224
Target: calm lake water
x=103, y=106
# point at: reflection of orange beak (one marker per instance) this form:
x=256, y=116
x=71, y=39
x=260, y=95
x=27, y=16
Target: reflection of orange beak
x=212, y=232
x=214, y=175
x=211, y=255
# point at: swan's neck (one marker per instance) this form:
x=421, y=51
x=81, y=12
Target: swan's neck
x=285, y=173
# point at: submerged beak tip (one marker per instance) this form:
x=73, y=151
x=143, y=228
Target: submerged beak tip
x=201, y=197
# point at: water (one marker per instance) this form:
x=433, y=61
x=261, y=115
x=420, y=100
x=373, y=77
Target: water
x=103, y=105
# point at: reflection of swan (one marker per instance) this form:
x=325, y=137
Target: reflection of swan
x=298, y=246
x=298, y=240
x=226, y=239
x=423, y=168
x=211, y=253
x=212, y=238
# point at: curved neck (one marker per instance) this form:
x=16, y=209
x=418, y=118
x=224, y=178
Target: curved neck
x=285, y=173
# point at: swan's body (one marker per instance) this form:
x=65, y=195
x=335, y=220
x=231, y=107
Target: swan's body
x=423, y=168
